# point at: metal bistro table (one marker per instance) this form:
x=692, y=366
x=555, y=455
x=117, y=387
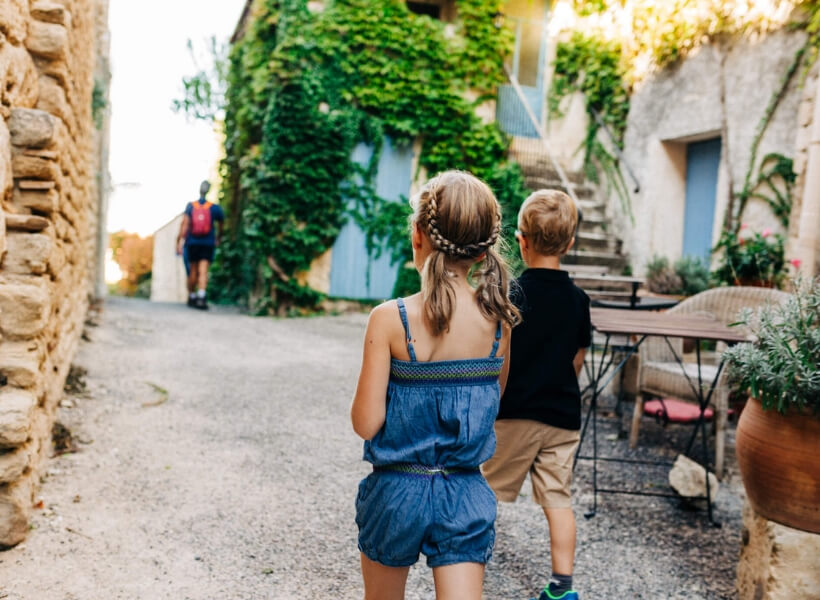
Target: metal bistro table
x=634, y=327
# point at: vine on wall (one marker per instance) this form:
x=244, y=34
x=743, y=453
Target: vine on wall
x=321, y=83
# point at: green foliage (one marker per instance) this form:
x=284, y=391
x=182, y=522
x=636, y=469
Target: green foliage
x=781, y=367
x=688, y=276
x=589, y=7
x=774, y=186
x=592, y=66
x=204, y=92
x=694, y=275
x=98, y=103
x=303, y=90
x=750, y=259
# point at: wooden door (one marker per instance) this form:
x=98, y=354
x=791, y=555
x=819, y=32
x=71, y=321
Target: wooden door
x=353, y=273
x=702, y=164
x=528, y=18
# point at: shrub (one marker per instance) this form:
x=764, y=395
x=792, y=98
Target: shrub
x=780, y=367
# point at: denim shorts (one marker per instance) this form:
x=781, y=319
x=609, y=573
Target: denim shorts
x=448, y=518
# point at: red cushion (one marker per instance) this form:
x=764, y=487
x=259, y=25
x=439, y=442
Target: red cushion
x=676, y=411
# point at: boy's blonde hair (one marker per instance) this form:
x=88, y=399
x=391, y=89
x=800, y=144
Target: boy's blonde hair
x=548, y=220
x=462, y=218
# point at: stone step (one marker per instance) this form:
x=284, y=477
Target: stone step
x=543, y=168
x=597, y=241
x=582, y=191
x=614, y=261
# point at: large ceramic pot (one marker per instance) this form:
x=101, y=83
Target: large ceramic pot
x=779, y=460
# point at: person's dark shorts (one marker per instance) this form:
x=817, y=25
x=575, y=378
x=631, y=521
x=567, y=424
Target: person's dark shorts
x=197, y=253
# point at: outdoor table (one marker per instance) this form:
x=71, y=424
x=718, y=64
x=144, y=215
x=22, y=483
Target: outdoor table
x=633, y=282
x=631, y=328
x=640, y=303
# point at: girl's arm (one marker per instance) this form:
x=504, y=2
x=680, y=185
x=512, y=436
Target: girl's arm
x=369, y=404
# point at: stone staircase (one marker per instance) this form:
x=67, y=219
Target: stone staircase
x=597, y=250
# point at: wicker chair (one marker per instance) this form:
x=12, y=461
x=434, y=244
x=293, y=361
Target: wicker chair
x=660, y=374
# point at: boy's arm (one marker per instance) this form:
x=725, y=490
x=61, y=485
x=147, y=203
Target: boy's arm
x=578, y=361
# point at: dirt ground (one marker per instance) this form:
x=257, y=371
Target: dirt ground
x=215, y=460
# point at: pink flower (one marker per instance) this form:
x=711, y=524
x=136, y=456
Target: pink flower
x=766, y=232
x=744, y=225
x=796, y=262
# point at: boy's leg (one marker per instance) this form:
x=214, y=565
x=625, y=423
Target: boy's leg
x=382, y=582
x=552, y=477
x=562, y=539
x=462, y=581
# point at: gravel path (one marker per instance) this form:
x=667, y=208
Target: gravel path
x=230, y=471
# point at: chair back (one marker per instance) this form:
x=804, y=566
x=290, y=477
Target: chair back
x=723, y=304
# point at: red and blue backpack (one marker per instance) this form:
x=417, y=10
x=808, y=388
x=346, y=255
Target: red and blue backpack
x=201, y=219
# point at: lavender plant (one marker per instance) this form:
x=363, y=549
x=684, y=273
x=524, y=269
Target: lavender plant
x=781, y=367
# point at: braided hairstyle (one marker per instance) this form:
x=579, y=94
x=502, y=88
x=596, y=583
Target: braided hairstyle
x=462, y=218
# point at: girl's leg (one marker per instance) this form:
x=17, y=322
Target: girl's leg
x=382, y=582
x=462, y=581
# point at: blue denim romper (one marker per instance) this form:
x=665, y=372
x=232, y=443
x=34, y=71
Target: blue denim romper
x=426, y=493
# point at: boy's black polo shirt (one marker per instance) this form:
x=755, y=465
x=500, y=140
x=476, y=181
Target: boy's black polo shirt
x=542, y=385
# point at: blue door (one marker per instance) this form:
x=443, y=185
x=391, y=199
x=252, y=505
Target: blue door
x=702, y=163
x=528, y=18
x=353, y=273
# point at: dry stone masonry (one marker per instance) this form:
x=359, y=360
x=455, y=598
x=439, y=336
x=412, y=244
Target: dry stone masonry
x=50, y=207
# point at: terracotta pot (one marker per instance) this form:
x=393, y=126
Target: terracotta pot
x=779, y=461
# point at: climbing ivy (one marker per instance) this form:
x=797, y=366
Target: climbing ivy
x=303, y=90
x=592, y=66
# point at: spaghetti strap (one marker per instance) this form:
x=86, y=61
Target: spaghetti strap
x=406, y=325
x=497, y=340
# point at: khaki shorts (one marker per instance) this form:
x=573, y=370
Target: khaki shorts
x=543, y=451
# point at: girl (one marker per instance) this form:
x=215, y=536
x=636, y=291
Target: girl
x=433, y=369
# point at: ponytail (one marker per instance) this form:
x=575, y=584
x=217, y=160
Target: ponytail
x=438, y=295
x=492, y=291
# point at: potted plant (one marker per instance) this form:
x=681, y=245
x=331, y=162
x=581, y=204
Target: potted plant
x=753, y=259
x=778, y=434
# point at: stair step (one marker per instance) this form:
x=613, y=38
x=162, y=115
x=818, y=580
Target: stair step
x=544, y=170
x=599, y=294
x=581, y=270
x=534, y=182
x=610, y=259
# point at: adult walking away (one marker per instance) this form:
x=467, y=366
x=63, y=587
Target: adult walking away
x=199, y=236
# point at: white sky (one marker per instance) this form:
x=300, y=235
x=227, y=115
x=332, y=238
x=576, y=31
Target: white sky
x=160, y=152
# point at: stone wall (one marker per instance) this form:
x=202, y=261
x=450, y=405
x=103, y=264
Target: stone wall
x=49, y=218
x=777, y=562
x=682, y=104
x=168, y=277
x=803, y=222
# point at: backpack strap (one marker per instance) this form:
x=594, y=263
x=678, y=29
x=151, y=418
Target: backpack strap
x=497, y=340
x=406, y=325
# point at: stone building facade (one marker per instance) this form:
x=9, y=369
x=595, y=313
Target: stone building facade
x=53, y=125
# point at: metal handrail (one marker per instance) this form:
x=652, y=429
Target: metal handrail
x=602, y=124
x=569, y=186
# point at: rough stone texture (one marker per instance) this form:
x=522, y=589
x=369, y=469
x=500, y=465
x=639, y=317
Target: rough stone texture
x=777, y=562
x=804, y=123
x=50, y=163
x=16, y=407
x=686, y=478
x=15, y=507
x=27, y=253
x=32, y=128
x=682, y=104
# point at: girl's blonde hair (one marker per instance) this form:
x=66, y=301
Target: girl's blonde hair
x=462, y=218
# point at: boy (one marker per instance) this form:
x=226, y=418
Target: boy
x=539, y=420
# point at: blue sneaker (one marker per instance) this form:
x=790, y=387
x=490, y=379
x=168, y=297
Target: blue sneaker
x=546, y=595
